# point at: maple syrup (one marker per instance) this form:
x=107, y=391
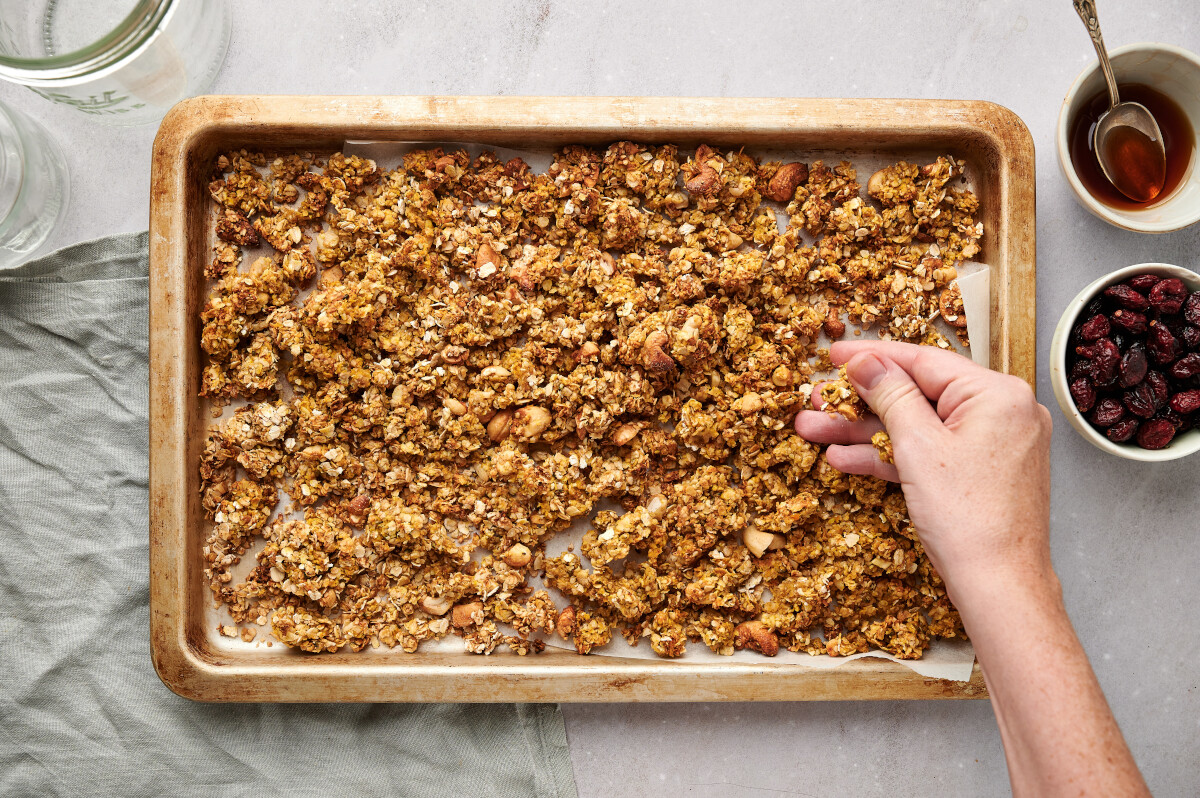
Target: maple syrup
x=1178, y=140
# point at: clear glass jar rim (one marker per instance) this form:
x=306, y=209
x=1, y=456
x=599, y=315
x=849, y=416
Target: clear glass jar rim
x=8, y=129
x=122, y=40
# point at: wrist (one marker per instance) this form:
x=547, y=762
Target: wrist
x=986, y=587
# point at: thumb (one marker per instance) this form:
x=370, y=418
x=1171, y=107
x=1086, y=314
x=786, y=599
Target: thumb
x=891, y=393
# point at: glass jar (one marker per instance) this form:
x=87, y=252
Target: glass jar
x=33, y=186
x=125, y=62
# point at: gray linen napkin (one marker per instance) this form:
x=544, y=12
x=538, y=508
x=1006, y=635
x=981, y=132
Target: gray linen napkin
x=81, y=709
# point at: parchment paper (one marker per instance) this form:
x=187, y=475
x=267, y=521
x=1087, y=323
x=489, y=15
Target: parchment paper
x=945, y=659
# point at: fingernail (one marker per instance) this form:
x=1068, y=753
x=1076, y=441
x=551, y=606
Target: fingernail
x=867, y=371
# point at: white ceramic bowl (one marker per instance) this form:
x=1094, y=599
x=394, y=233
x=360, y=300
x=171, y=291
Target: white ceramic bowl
x=1183, y=445
x=1176, y=73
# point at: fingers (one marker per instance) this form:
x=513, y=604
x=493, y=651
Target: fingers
x=821, y=427
x=932, y=369
x=861, y=459
x=889, y=390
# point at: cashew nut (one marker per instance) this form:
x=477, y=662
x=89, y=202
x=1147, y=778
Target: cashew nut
x=495, y=373
x=434, y=605
x=705, y=182
x=875, y=184
x=464, y=615
x=608, y=264
x=530, y=422
x=500, y=425
x=755, y=636
x=518, y=556
x=783, y=185
x=835, y=328
x=654, y=355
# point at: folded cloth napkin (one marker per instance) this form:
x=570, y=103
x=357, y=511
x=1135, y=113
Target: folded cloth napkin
x=82, y=712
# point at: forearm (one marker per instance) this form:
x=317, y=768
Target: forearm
x=1059, y=735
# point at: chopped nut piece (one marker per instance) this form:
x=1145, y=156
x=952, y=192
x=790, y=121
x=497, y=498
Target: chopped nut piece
x=757, y=541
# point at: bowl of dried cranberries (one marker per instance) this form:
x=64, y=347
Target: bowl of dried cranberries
x=1125, y=362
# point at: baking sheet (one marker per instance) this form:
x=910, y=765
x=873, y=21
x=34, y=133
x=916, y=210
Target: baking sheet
x=945, y=659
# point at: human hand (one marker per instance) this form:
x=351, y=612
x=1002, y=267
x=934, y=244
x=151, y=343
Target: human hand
x=975, y=470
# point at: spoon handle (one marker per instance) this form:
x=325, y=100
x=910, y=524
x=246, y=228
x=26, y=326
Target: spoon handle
x=1087, y=12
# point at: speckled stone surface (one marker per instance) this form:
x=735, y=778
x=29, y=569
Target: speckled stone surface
x=1126, y=536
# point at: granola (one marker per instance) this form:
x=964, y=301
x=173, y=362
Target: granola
x=883, y=444
x=445, y=365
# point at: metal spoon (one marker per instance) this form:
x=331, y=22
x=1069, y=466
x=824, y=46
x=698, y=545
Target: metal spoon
x=1126, y=139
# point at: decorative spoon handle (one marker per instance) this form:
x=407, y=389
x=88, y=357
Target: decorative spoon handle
x=1087, y=12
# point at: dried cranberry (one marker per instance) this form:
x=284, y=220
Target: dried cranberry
x=1143, y=282
x=1093, y=307
x=1130, y=321
x=1107, y=412
x=1187, y=366
x=1191, y=308
x=1095, y=327
x=1140, y=400
x=1174, y=323
x=1169, y=415
x=1184, y=402
x=1082, y=368
x=1122, y=430
x=1162, y=345
x=1162, y=389
x=1106, y=359
x=1155, y=434
x=1084, y=394
x=1168, y=295
x=1126, y=297
x=1134, y=365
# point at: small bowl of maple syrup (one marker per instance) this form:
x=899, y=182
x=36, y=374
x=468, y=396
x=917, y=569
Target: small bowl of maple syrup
x=1165, y=79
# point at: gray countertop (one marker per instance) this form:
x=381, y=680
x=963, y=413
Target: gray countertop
x=1124, y=535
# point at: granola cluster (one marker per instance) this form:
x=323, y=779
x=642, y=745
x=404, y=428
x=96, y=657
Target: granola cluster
x=443, y=366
